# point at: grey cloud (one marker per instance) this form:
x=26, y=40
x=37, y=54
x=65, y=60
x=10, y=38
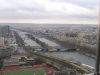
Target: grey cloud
x=23, y=10
x=86, y=16
x=83, y=3
x=32, y=9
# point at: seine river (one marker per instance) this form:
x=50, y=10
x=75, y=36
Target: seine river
x=73, y=56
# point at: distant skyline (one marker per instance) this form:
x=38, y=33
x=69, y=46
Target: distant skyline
x=49, y=11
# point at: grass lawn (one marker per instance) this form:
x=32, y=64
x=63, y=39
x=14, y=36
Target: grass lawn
x=39, y=71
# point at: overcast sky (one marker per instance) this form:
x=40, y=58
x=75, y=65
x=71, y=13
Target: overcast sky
x=49, y=11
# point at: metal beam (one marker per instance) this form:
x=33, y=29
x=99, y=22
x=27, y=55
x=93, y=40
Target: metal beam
x=98, y=51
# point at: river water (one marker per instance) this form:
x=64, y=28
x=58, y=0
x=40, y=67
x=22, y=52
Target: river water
x=73, y=56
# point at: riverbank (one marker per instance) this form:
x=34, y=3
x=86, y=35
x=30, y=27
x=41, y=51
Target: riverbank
x=88, y=55
x=77, y=57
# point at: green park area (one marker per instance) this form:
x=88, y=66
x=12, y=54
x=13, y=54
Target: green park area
x=38, y=71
